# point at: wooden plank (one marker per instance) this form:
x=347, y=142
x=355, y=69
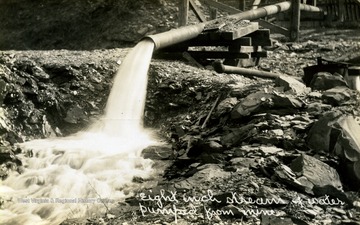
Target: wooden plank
x=218, y=55
x=197, y=11
x=210, y=55
x=248, y=49
x=190, y=59
x=244, y=41
x=226, y=55
x=240, y=32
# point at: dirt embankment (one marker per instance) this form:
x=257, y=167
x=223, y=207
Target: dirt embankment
x=84, y=25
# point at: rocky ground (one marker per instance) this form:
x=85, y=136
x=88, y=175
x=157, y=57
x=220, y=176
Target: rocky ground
x=248, y=148
x=240, y=150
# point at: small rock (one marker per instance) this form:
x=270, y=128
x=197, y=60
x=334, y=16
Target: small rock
x=287, y=102
x=226, y=105
x=317, y=107
x=339, y=211
x=319, y=134
x=291, y=84
x=277, y=132
x=157, y=152
x=238, y=135
x=3, y=90
x=317, y=172
x=253, y=103
x=143, y=30
x=75, y=114
x=270, y=150
x=274, y=220
x=315, y=94
x=337, y=96
x=325, y=81
x=243, y=162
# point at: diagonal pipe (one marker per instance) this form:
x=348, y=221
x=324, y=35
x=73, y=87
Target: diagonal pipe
x=185, y=33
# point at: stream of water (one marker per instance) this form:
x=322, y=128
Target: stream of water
x=88, y=172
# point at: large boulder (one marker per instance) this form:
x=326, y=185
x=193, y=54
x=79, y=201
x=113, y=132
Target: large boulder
x=338, y=134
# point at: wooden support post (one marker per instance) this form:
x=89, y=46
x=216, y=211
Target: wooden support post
x=183, y=12
x=242, y=5
x=256, y=4
x=295, y=20
x=341, y=7
x=234, y=47
x=213, y=13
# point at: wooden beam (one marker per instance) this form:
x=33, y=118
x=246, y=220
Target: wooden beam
x=244, y=41
x=202, y=41
x=210, y=55
x=260, y=38
x=197, y=11
x=248, y=49
x=295, y=20
x=226, y=55
x=190, y=59
x=273, y=27
x=183, y=12
x=240, y=32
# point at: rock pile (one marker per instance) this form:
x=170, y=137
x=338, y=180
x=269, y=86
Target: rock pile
x=284, y=141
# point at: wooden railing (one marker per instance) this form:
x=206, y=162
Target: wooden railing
x=341, y=10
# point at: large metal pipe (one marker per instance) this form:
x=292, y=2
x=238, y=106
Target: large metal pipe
x=271, y=10
x=221, y=68
x=181, y=34
x=175, y=36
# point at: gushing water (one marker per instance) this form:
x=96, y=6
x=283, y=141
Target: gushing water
x=74, y=176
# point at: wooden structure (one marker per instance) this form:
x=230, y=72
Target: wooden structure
x=293, y=29
x=238, y=43
x=288, y=23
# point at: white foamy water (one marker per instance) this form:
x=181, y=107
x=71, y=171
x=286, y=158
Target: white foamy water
x=91, y=171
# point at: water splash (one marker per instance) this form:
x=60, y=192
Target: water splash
x=74, y=176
